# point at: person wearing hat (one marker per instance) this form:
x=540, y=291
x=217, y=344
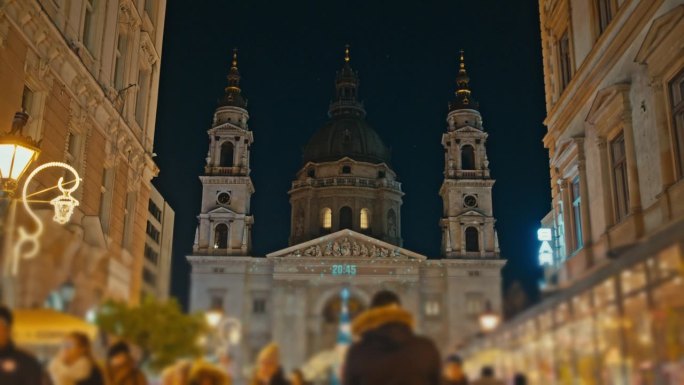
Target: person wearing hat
x=453, y=371
x=387, y=350
x=16, y=366
x=121, y=368
x=268, y=370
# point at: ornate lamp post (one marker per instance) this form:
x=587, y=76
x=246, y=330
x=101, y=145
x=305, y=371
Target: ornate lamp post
x=17, y=153
x=489, y=320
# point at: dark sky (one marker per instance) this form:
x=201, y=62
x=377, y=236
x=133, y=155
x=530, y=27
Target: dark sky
x=406, y=53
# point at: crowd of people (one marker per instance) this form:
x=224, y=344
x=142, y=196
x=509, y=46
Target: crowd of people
x=386, y=351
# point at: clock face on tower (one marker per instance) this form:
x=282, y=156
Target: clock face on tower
x=223, y=198
x=470, y=201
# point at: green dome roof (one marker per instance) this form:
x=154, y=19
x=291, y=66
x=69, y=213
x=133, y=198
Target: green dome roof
x=346, y=136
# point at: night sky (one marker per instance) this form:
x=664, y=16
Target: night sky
x=406, y=53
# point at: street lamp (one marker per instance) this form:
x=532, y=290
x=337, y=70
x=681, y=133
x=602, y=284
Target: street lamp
x=489, y=319
x=213, y=317
x=17, y=153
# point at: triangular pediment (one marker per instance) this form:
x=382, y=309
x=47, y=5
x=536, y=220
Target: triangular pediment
x=222, y=210
x=469, y=129
x=472, y=213
x=346, y=244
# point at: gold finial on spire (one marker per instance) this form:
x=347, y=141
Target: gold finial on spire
x=462, y=65
x=346, y=53
x=234, y=64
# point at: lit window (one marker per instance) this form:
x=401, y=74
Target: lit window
x=363, y=219
x=432, y=308
x=327, y=218
x=620, y=188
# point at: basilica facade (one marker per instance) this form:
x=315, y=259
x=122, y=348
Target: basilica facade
x=345, y=231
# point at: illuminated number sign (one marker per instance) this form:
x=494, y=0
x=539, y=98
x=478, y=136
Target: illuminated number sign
x=545, y=251
x=344, y=269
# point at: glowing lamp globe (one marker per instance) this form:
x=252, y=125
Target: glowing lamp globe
x=213, y=317
x=489, y=320
x=16, y=154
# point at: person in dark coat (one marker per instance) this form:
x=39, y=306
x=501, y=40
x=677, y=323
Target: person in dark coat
x=388, y=352
x=453, y=371
x=16, y=366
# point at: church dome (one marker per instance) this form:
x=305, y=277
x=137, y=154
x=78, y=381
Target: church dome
x=346, y=136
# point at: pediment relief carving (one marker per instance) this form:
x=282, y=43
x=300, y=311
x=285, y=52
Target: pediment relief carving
x=345, y=247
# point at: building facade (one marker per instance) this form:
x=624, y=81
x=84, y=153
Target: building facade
x=156, y=274
x=87, y=73
x=345, y=232
x=614, y=83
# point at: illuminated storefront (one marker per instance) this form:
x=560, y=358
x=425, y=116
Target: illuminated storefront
x=622, y=324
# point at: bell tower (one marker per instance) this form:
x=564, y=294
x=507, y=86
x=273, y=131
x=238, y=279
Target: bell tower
x=225, y=220
x=468, y=220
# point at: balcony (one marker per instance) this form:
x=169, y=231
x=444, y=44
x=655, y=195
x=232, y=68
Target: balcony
x=235, y=170
x=468, y=174
x=347, y=182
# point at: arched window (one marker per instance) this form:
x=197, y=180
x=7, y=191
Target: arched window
x=392, y=224
x=467, y=157
x=221, y=236
x=346, y=169
x=326, y=218
x=472, y=239
x=227, y=154
x=364, y=220
x=346, y=217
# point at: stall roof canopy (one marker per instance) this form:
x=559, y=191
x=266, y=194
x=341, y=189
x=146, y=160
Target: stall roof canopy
x=47, y=327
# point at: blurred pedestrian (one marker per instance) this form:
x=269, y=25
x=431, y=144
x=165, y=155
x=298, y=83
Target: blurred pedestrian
x=297, y=378
x=388, y=352
x=121, y=368
x=487, y=377
x=75, y=365
x=519, y=379
x=452, y=373
x=203, y=373
x=177, y=374
x=16, y=366
x=268, y=370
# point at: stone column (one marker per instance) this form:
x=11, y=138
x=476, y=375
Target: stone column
x=605, y=181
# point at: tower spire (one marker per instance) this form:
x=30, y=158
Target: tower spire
x=463, y=98
x=233, y=92
x=346, y=89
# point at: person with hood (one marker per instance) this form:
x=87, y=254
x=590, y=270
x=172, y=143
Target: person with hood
x=16, y=366
x=487, y=377
x=387, y=350
x=268, y=370
x=453, y=371
x=75, y=365
x=121, y=368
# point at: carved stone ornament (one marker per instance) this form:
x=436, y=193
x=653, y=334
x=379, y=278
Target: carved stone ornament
x=345, y=247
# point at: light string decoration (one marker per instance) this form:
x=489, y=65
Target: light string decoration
x=28, y=244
